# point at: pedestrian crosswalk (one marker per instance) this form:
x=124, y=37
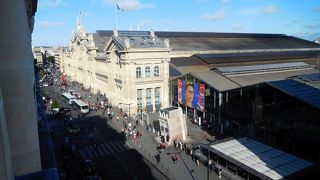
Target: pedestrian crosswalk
x=104, y=149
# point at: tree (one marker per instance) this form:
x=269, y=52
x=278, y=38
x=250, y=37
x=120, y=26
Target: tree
x=51, y=59
x=54, y=104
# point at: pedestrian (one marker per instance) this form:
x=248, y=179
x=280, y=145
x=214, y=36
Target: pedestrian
x=219, y=172
x=175, y=158
x=137, y=122
x=157, y=156
x=210, y=165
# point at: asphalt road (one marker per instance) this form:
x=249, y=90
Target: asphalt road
x=113, y=157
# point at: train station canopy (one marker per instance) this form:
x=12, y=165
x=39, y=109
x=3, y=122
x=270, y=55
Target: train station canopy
x=259, y=159
x=304, y=87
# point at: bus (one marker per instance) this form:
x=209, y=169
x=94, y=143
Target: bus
x=68, y=98
x=81, y=106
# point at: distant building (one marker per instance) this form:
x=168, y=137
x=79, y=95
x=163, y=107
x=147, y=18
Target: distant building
x=38, y=55
x=126, y=66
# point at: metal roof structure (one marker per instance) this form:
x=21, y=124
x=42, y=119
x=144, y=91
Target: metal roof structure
x=216, y=80
x=208, y=41
x=311, y=77
x=256, y=78
x=262, y=68
x=219, y=58
x=299, y=90
x=259, y=159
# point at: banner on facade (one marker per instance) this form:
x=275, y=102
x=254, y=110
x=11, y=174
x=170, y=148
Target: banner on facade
x=191, y=94
x=180, y=91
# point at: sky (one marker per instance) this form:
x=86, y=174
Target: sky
x=55, y=20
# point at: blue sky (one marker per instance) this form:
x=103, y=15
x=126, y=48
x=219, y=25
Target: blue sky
x=56, y=19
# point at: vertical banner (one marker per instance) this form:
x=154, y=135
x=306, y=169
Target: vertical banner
x=195, y=95
x=180, y=91
x=200, y=103
x=183, y=92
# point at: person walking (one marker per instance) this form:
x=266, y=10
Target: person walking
x=175, y=158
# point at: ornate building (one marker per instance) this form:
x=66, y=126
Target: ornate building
x=128, y=67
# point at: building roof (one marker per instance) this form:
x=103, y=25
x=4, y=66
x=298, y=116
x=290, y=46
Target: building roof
x=261, y=68
x=216, y=80
x=207, y=41
x=248, y=80
x=220, y=58
x=259, y=159
x=303, y=91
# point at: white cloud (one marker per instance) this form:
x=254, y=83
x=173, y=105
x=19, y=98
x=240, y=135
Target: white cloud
x=271, y=9
x=214, y=16
x=314, y=26
x=130, y=4
x=51, y=3
x=149, y=23
x=47, y=24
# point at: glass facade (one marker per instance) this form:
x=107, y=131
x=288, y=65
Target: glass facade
x=149, y=100
x=262, y=113
x=139, y=99
x=157, y=98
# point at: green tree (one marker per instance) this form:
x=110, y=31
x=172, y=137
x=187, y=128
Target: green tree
x=54, y=104
x=51, y=59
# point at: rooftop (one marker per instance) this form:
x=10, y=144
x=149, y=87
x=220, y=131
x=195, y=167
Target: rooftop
x=259, y=159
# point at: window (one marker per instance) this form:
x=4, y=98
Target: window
x=139, y=99
x=156, y=71
x=157, y=98
x=148, y=96
x=138, y=72
x=147, y=72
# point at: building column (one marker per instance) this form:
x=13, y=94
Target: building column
x=17, y=82
x=6, y=171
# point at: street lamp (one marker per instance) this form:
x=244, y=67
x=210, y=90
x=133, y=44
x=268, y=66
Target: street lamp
x=128, y=104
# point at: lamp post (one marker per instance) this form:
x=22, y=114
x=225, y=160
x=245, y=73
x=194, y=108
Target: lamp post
x=128, y=104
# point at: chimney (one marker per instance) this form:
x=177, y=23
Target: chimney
x=152, y=33
x=166, y=43
x=127, y=43
x=115, y=32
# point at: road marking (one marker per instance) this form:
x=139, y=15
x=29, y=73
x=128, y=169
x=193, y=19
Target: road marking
x=104, y=149
x=109, y=148
x=99, y=149
x=119, y=144
x=88, y=151
x=82, y=153
x=128, y=146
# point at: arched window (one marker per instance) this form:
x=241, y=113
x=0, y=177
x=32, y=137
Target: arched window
x=138, y=72
x=147, y=72
x=156, y=71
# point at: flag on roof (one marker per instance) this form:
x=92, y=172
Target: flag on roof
x=118, y=7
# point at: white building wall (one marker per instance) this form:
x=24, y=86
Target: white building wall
x=17, y=82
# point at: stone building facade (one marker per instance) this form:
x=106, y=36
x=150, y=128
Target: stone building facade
x=130, y=68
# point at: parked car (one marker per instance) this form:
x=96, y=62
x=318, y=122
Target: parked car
x=62, y=112
x=73, y=129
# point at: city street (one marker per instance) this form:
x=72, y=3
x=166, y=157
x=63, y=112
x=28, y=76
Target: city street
x=115, y=155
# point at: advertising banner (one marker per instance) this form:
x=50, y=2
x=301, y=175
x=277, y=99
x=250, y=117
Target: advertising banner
x=191, y=94
x=179, y=91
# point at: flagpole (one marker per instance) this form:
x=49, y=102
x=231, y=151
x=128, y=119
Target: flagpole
x=115, y=5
